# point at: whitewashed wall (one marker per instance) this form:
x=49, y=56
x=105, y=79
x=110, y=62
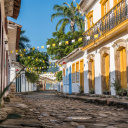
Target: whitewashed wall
x=98, y=90
x=95, y=51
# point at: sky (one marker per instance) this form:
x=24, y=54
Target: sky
x=35, y=18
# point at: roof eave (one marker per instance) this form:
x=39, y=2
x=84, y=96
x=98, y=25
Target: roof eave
x=72, y=54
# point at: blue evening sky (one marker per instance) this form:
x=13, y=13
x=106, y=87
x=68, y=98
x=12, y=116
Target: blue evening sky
x=35, y=18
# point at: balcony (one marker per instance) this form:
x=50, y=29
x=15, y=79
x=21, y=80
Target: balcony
x=117, y=15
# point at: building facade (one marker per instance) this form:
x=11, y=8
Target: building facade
x=104, y=58
x=11, y=9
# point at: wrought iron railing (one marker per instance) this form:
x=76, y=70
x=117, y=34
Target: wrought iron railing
x=113, y=18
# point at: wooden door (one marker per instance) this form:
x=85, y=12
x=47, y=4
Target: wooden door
x=82, y=73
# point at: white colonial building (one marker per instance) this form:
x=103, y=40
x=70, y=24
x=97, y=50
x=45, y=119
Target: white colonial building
x=104, y=56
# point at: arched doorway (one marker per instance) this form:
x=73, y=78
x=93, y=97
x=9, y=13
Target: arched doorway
x=120, y=62
x=91, y=73
x=105, y=69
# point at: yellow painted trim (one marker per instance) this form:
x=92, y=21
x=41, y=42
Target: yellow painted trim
x=123, y=68
x=107, y=70
x=81, y=72
x=86, y=47
x=93, y=73
x=115, y=2
x=63, y=71
x=121, y=25
x=103, y=2
x=89, y=15
x=73, y=70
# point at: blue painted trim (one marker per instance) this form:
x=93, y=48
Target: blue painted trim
x=70, y=80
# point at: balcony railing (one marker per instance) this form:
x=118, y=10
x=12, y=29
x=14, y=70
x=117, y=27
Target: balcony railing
x=113, y=18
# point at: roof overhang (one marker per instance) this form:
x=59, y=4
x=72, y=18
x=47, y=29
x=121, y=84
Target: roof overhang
x=86, y=4
x=11, y=25
x=12, y=8
x=17, y=64
x=71, y=55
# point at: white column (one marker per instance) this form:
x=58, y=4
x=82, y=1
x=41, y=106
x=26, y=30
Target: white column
x=86, y=84
x=97, y=73
x=112, y=69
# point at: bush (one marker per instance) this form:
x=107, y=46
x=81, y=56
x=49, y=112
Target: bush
x=32, y=77
x=81, y=90
x=92, y=91
x=59, y=76
x=117, y=86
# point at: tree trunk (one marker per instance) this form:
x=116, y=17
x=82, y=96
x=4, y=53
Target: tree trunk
x=72, y=25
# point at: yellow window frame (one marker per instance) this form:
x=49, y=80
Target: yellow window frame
x=116, y=2
x=103, y=6
x=90, y=17
x=73, y=71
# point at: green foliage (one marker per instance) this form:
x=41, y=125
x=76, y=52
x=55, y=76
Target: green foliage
x=52, y=69
x=117, y=86
x=34, y=60
x=32, y=77
x=23, y=42
x=59, y=76
x=70, y=16
x=81, y=90
x=59, y=51
x=92, y=91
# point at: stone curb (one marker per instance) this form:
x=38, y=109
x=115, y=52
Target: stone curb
x=98, y=100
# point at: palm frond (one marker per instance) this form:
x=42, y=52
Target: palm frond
x=21, y=45
x=22, y=32
x=65, y=3
x=64, y=24
x=68, y=11
x=24, y=39
x=59, y=8
x=60, y=21
x=56, y=15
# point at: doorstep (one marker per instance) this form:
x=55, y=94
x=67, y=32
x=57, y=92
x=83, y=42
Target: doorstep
x=99, y=100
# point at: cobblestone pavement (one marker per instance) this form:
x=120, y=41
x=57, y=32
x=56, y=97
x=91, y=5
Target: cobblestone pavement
x=46, y=110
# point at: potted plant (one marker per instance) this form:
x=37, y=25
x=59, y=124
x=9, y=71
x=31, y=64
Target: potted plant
x=81, y=90
x=106, y=92
x=117, y=86
x=122, y=92
x=119, y=90
x=92, y=91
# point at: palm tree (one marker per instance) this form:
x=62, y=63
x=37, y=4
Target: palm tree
x=69, y=15
x=23, y=42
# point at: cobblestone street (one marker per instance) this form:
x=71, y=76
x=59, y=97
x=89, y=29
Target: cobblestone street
x=46, y=110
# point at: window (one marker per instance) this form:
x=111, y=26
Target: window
x=73, y=73
x=90, y=19
x=104, y=7
x=77, y=71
